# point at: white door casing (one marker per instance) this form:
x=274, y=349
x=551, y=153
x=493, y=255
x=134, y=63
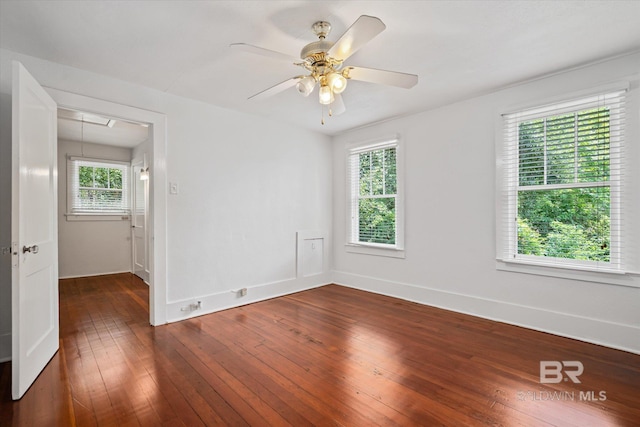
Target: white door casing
x=34, y=230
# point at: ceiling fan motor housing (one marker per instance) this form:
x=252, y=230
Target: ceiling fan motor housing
x=312, y=50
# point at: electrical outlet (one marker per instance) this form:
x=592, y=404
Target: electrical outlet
x=192, y=307
x=243, y=292
x=173, y=188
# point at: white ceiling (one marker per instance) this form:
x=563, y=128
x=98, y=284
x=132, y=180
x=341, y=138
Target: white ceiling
x=84, y=127
x=458, y=49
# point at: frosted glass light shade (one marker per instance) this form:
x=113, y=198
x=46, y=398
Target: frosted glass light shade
x=337, y=82
x=306, y=85
x=325, y=95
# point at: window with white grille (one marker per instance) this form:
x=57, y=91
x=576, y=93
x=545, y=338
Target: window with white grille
x=563, y=169
x=375, y=205
x=97, y=186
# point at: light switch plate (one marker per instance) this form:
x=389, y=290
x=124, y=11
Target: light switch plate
x=173, y=188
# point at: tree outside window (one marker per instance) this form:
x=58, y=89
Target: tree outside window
x=97, y=187
x=563, y=186
x=374, y=188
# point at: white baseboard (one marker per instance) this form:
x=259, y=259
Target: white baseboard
x=230, y=299
x=610, y=334
x=5, y=347
x=77, y=276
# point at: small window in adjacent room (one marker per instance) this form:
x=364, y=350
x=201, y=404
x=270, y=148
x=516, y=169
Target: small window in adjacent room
x=97, y=187
x=562, y=181
x=375, y=221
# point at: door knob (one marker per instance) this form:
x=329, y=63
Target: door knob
x=33, y=249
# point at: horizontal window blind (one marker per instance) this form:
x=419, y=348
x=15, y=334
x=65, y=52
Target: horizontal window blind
x=563, y=179
x=372, y=189
x=97, y=186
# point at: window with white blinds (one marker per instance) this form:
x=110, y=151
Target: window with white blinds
x=372, y=186
x=97, y=186
x=563, y=169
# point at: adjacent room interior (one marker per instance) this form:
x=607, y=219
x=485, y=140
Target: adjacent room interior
x=428, y=216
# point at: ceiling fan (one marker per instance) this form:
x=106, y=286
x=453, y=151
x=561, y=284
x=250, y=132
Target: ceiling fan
x=324, y=61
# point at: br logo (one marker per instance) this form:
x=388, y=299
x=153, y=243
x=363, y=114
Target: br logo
x=551, y=371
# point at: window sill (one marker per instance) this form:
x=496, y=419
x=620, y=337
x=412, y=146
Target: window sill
x=611, y=277
x=97, y=217
x=375, y=250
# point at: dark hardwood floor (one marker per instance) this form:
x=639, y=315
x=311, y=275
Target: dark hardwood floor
x=331, y=356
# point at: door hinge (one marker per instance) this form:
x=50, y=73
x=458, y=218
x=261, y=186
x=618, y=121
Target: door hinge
x=14, y=251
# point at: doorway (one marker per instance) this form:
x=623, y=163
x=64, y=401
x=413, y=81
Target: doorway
x=156, y=186
x=101, y=197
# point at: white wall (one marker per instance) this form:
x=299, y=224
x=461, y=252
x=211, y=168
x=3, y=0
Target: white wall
x=246, y=186
x=450, y=221
x=88, y=247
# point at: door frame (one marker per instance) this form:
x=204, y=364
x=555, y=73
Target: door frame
x=157, y=215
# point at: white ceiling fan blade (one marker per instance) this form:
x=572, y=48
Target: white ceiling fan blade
x=337, y=106
x=357, y=35
x=277, y=88
x=264, y=52
x=390, y=78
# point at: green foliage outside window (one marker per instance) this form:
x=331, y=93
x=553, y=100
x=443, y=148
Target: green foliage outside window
x=377, y=201
x=96, y=177
x=377, y=220
x=99, y=186
x=569, y=149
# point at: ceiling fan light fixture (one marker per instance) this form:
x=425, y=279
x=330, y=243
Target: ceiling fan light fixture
x=325, y=95
x=337, y=82
x=324, y=61
x=306, y=85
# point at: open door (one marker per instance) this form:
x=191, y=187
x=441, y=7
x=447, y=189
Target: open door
x=34, y=230
x=139, y=220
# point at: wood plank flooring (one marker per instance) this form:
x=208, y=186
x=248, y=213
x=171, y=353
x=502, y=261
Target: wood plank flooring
x=331, y=356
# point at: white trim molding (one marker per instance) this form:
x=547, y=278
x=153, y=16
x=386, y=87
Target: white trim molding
x=610, y=334
x=233, y=298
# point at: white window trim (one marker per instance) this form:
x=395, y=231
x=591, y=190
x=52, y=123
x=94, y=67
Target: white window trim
x=376, y=249
x=576, y=270
x=123, y=215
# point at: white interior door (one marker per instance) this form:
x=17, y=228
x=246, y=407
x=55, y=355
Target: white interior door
x=138, y=223
x=34, y=230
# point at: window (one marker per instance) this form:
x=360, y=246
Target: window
x=562, y=184
x=374, y=208
x=97, y=187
